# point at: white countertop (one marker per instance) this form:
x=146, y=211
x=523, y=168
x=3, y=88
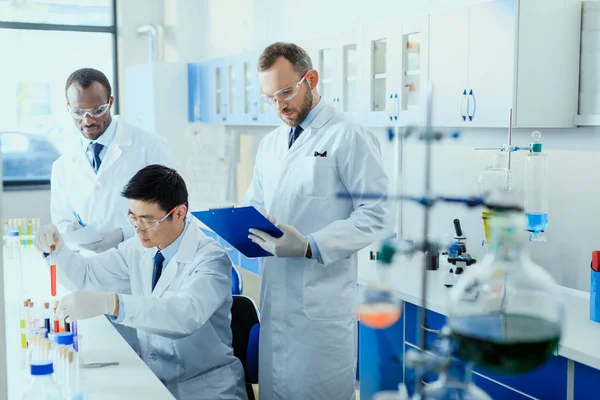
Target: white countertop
x=131, y=379
x=580, y=339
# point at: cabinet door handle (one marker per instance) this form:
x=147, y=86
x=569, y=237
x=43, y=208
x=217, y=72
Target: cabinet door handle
x=396, y=107
x=472, y=95
x=463, y=106
x=391, y=107
x=255, y=117
x=429, y=330
x=224, y=112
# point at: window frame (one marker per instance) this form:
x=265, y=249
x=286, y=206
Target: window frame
x=36, y=26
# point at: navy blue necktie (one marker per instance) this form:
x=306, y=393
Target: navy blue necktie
x=96, y=161
x=158, y=267
x=294, y=134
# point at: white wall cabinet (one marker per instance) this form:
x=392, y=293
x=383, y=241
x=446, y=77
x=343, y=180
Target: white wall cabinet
x=482, y=60
x=336, y=58
x=491, y=57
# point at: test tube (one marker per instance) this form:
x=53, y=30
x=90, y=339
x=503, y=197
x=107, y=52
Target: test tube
x=47, y=316
x=30, y=315
x=75, y=331
x=56, y=320
x=23, y=323
x=37, y=321
x=20, y=228
x=52, y=271
x=29, y=232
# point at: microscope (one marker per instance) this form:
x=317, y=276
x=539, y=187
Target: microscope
x=458, y=258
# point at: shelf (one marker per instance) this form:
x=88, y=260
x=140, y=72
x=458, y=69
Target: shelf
x=413, y=72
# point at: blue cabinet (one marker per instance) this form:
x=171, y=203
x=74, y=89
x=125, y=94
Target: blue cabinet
x=498, y=391
x=553, y=374
x=194, y=82
x=200, y=93
x=226, y=91
x=381, y=358
x=435, y=322
x=586, y=382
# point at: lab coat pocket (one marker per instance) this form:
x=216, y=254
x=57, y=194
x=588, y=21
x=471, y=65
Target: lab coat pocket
x=316, y=176
x=328, y=292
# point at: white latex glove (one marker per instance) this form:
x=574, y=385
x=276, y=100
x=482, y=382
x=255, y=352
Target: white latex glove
x=85, y=305
x=291, y=244
x=109, y=240
x=46, y=236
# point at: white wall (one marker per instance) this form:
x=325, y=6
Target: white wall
x=133, y=48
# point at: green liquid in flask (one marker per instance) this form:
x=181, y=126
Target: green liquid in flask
x=506, y=344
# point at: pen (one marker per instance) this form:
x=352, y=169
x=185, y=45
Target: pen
x=79, y=220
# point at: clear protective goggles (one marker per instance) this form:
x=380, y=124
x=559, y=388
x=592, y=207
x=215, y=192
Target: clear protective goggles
x=285, y=94
x=143, y=224
x=96, y=112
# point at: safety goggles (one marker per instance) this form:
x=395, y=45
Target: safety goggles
x=285, y=94
x=96, y=112
x=142, y=224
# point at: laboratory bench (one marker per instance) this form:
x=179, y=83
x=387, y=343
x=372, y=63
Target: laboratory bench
x=572, y=373
x=101, y=342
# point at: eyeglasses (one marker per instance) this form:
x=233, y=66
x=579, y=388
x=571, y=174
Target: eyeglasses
x=143, y=224
x=285, y=94
x=96, y=112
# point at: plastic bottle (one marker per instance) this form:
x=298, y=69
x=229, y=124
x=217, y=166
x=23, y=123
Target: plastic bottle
x=42, y=386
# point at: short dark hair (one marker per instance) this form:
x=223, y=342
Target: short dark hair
x=291, y=52
x=157, y=184
x=86, y=76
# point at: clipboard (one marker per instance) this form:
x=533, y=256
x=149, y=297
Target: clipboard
x=233, y=225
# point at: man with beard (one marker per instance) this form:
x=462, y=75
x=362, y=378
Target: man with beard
x=308, y=290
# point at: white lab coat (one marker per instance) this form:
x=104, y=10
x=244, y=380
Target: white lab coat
x=184, y=324
x=75, y=188
x=308, y=321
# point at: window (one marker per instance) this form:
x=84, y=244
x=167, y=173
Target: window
x=42, y=42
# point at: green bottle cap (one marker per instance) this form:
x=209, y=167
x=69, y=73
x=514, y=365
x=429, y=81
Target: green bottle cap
x=536, y=147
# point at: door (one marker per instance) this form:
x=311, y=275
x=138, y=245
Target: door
x=491, y=63
x=380, y=52
x=448, y=66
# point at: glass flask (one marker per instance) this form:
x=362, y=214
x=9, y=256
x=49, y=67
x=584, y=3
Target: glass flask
x=506, y=315
x=536, y=189
x=378, y=306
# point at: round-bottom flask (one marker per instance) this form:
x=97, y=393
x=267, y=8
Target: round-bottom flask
x=506, y=315
x=378, y=306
